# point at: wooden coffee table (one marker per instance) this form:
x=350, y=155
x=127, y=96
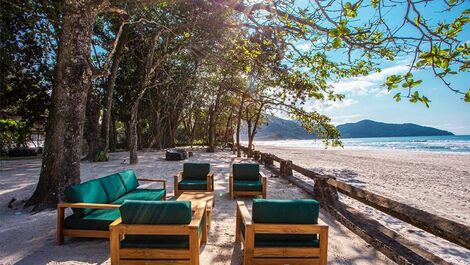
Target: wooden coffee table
x=196, y=197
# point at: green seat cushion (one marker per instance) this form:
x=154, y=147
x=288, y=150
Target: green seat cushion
x=91, y=192
x=129, y=179
x=97, y=220
x=113, y=186
x=142, y=195
x=286, y=212
x=133, y=241
x=192, y=184
x=156, y=212
x=246, y=171
x=196, y=171
x=247, y=185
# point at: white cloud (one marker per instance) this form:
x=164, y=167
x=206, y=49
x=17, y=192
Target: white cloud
x=363, y=85
x=304, y=46
x=336, y=120
x=324, y=105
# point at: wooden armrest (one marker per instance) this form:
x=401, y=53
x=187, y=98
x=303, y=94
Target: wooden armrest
x=88, y=205
x=261, y=174
x=210, y=176
x=178, y=175
x=288, y=228
x=245, y=215
x=198, y=216
x=153, y=180
x=116, y=222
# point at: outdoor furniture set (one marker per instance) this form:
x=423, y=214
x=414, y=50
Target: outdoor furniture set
x=143, y=228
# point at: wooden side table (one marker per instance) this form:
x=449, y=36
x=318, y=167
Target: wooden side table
x=196, y=197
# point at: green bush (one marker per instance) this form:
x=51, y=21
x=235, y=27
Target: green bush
x=13, y=134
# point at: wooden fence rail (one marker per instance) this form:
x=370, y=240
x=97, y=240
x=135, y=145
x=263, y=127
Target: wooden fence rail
x=396, y=247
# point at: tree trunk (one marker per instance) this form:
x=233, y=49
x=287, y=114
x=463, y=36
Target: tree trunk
x=108, y=99
x=112, y=134
x=239, y=124
x=133, y=142
x=92, y=125
x=61, y=156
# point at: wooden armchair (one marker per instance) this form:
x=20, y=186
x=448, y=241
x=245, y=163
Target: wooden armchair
x=158, y=233
x=194, y=177
x=247, y=180
x=282, y=232
x=95, y=204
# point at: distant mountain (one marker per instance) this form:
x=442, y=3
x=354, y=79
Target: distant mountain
x=281, y=129
x=368, y=128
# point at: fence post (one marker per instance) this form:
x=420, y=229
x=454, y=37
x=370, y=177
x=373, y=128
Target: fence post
x=325, y=193
x=256, y=155
x=268, y=160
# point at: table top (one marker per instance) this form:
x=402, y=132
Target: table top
x=196, y=197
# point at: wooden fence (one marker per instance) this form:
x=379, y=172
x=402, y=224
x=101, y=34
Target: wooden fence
x=325, y=189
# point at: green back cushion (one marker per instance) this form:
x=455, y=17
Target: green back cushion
x=196, y=170
x=285, y=211
x=91, y=191
x=156, y=212
x=113, y=187
x=129, y=179
x=246, y=171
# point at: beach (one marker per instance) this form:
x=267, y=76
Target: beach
x=27, y=238
x=432, y=182
x=436, y=182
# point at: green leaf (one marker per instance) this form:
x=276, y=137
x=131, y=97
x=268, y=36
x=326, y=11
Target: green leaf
x=467, y=96
x=336, y=43
x=397, y=97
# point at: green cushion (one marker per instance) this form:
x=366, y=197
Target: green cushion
x=97, y=220
x=91, y=191
x=129, y=179
x=192, y=184
x=156, y=212
x=285, y=211
x=132, y=241
x=196, y=170
x=142, y=195
x=113, y=187
x=246, y=171
x=247, y=185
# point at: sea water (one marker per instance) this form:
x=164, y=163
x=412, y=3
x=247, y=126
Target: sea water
x=448, y=143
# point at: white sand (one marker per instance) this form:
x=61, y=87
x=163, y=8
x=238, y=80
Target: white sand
x=30, y=239
x=438, y=183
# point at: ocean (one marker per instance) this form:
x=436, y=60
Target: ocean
x=453, y=143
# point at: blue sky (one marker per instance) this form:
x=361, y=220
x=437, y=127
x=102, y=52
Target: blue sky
x=366, y=98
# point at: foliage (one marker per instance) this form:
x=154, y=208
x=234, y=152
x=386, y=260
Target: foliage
x=13, y=134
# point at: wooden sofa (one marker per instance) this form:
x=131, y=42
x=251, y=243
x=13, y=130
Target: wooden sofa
x=158, y=233
x=247, y=180
x=282, y=232
x=95, y=204
x=194, y=177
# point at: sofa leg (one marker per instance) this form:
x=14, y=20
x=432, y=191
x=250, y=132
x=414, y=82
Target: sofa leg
x=60, y=225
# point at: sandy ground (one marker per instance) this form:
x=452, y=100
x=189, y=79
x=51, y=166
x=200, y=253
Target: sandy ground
x=438, y=183
x=30, y=239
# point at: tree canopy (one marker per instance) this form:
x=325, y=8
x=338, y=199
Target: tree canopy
x=156, y=74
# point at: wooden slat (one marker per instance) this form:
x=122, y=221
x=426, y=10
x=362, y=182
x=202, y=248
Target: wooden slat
x=293, y=252
x=154, y=229
x=287, y=229
x=86, y=233
x=439, y=226
x=276, y=261
x=309, y=173
x=151, y=180
x=153, y=253
x=154, y=262
x=88, y=205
